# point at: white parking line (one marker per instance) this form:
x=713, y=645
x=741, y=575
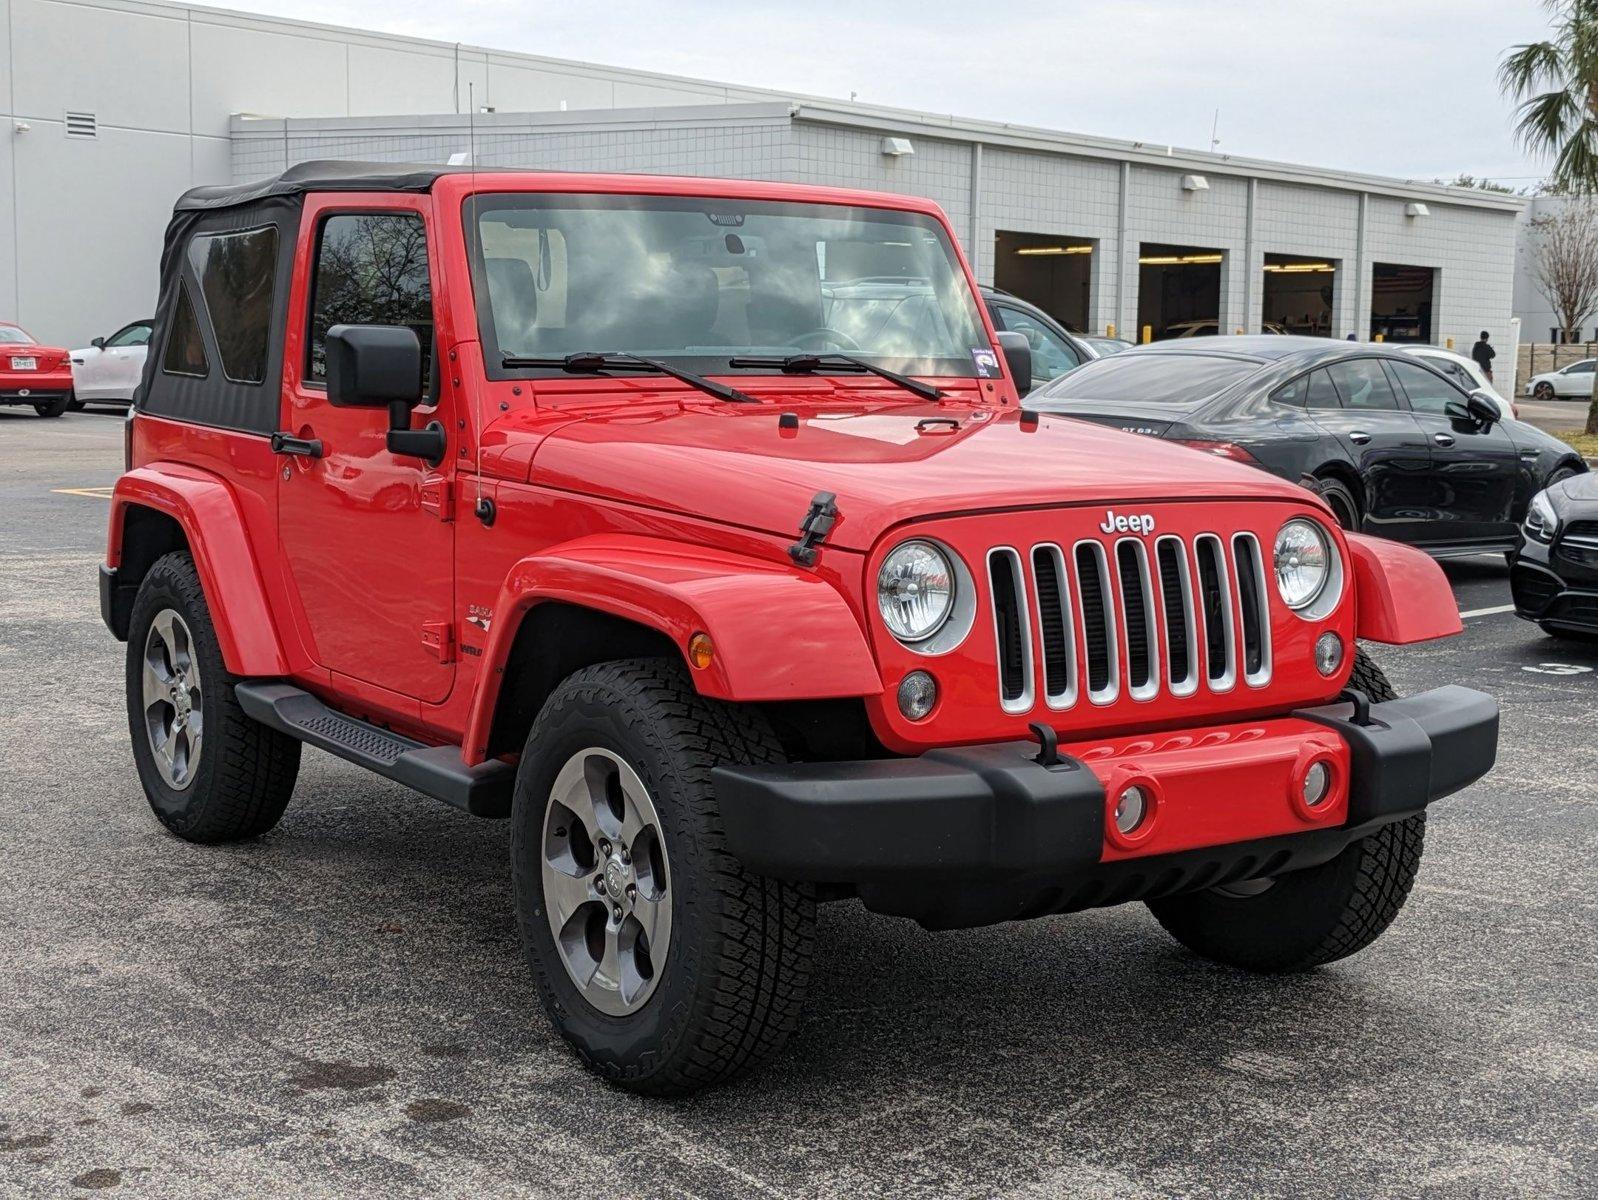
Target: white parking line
x=1486, y=612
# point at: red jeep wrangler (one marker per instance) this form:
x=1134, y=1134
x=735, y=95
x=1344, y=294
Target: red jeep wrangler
x=696, y=527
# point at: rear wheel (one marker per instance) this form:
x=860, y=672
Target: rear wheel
x=1344, y=506
x=1306, y=918
x=53, y=408
x=210, y=773
x=665, y=964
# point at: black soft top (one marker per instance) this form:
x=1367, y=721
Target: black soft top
x=324, y=175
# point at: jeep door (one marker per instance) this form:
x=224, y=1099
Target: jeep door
x=1385, y=442
x=366, y=534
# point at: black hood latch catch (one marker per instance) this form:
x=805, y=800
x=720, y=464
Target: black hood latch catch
x=814, y=528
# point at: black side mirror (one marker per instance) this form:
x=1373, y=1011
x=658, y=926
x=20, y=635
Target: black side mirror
x=372, y=366
x=1018, y=357
x=98, y=343
x=1482, y=409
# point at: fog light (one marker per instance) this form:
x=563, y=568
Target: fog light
x=1328, y=653
x=1130, y=809
x=918, y=692
x=1317, y=784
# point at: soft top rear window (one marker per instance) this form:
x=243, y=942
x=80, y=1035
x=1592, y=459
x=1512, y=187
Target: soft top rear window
x=1176, y=379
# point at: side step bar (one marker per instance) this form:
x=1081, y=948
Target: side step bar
x=436, y=771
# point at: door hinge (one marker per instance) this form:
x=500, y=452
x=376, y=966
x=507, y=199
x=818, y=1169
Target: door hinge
x=438, y=497
x=438, y=639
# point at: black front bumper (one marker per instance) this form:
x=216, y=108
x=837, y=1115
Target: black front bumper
x=1555, y=587
x=977, y=834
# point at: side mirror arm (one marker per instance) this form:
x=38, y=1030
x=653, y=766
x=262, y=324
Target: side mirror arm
x=427, y=444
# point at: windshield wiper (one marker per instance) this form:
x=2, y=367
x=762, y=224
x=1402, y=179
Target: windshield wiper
x=808, y=364
x=591, y=362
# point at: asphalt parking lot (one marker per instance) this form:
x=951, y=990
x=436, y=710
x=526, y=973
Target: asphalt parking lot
x=341, y=1007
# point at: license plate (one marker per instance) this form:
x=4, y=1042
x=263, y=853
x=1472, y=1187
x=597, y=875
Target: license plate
x=24, y=364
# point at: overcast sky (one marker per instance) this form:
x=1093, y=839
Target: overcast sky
x=1397, y=87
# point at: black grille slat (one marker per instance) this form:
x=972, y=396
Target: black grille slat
x=1095, y=617
x=1129, y=564
x=1213, y=601
x=1169, y=557
x=1007, y=623
x=1051, y=622
x=1245, y=556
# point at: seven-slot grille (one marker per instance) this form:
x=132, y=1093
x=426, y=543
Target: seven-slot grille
x=1131, y=618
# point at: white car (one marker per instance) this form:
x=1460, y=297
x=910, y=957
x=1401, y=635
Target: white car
x=1574, y=380
x=107, y=370
x=1463, y=371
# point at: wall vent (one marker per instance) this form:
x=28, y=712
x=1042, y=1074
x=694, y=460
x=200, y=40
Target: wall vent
x=81, y=125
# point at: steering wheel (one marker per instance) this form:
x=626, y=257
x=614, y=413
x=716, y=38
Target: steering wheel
x=827, y=339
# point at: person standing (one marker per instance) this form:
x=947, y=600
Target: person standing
x=1484, y=354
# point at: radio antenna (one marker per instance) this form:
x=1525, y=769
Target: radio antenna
x=484, y=507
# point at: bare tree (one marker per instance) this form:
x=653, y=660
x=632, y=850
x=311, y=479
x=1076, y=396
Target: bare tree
x=1564, y=262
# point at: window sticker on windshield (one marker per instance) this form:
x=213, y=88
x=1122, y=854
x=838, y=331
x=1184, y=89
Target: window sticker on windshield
x=987, y=364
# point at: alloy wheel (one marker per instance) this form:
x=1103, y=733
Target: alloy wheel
x=171, y=695
x=604, y=871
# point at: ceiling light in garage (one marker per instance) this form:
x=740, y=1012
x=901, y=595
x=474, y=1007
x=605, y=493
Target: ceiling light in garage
x=1178, y=260
x=1049, y=250
x=1300, y=268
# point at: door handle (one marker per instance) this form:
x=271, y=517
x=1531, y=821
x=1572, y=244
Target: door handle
x=1359, y=437
x=283, y=443
x=1443, y=439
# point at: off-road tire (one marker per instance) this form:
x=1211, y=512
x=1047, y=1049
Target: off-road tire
x=1343, y=503
x=731, y=988
x=1314, y=916
x=53, y=408
x=246, y=771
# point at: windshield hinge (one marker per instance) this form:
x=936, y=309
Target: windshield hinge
x=814, y=528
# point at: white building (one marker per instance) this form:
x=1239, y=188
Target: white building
x=115, y=106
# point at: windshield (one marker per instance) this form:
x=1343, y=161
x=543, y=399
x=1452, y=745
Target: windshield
x=15, y=336
x=1146, y=379
x=699, y=281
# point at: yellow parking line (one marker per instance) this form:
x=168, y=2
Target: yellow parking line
x=94, y=493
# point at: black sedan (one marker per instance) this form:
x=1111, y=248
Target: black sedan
x=1396, y=449
x=1554, y=573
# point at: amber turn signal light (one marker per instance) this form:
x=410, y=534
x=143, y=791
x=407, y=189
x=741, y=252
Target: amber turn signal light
x=700, y=651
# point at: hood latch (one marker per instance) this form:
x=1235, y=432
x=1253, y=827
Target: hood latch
x=814, y=528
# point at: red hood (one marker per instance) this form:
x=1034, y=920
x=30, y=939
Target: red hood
x=732, y=464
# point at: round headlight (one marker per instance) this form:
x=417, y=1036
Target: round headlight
x=1303, y=559
x=915, y=590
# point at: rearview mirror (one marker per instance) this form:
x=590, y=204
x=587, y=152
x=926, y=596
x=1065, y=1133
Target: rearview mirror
x=1018, y=357
x=370, y=366
x=1482, y=408
x=98, y=343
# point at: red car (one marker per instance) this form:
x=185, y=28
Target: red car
x=40, y=376
x=660, y=517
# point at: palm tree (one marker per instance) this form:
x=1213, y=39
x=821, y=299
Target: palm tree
x=1555, y=85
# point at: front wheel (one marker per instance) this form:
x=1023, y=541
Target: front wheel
x=665, y=964
x=1543, y=391
x=1306, y=918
